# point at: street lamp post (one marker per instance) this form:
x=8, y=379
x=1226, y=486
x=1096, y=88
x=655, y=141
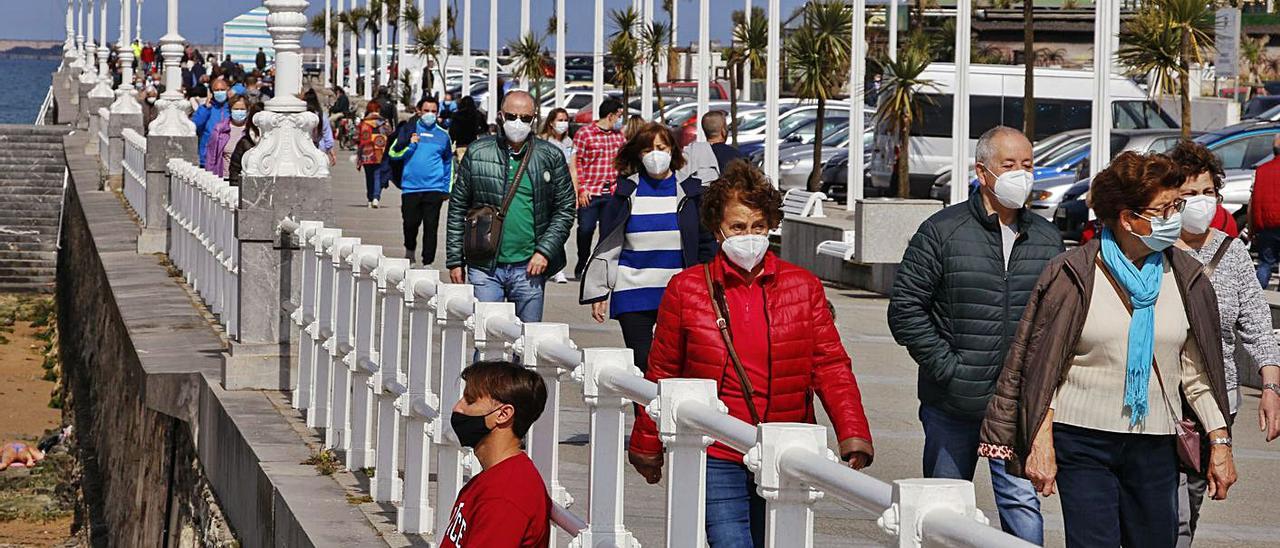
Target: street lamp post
x=646, y=79
x=773, y=73
x=1106, y=16
x=597, y=61
x=102, y=89
x=444, y=49
x=125, y=101
x=368, y=53
x=495, y=94
x=90, y=74
x=960, y=111
x=857, y=75
x=172, y=119
x=704, y=62
x=69, y=46
x=560, y=15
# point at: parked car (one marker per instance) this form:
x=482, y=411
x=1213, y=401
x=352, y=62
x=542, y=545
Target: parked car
x=1254, y=109
x=796, y=163
x=799, y=135
x=688, y=131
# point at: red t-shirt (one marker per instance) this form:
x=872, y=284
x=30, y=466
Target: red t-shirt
x=505, y=505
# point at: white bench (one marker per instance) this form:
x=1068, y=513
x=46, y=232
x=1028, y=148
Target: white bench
x=842, y=249
x=800, y=203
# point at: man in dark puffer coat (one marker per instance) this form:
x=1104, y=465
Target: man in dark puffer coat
x=537, y=223
x=957, y=300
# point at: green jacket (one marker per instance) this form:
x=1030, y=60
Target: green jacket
x=482, y=180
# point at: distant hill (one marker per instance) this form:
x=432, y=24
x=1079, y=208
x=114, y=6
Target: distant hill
x=31, y=50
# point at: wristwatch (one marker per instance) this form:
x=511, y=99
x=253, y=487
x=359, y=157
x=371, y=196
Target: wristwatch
x=1274, y=387
x=1221, y=441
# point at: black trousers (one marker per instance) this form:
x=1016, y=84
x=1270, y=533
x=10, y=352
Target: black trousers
x=421, y=208
x=588, y=218
x=637, y=334
x=1117, y=489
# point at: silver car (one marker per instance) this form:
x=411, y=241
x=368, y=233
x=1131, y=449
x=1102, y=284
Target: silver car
x=1047, y=192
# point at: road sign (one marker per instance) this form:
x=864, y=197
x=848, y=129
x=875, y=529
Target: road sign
x=1227, y=39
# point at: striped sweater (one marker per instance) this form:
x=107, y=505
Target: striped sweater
x=651, y=252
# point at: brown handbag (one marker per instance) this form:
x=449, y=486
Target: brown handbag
x=717, y=304
x=482, y=231
x=1190, y=444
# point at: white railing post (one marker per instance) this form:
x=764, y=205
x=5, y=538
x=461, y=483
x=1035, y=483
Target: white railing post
x=340, y=376
x=543, y=439
x=488, y=346
x=422, y=407
x=686, y=456
x=317, y=370
x=362, y=362
x=789, y=510
x=607, y=430
x=451, y=304
x=914, y=499
x=386, y=481
x=304, y=314
x=230, y=259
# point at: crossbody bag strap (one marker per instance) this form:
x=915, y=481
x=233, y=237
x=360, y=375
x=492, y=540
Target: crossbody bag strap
x=515, y=183
x=1128, y=305
x=1212, y=266
x=723, y=325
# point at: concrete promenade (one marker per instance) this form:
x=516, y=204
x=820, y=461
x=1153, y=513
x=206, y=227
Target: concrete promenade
x=887, y=377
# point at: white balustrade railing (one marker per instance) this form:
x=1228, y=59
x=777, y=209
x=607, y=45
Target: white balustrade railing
x=202, y=243
x=42, y=114
x=104, y=138
x=371, y=328
x=134, y=171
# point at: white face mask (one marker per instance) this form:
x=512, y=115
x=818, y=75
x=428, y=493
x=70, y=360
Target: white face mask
x=516, y=131
x=1198, y=213
x=1012, y=187
x=747, y=250
x=656, y=162
x=561, y=126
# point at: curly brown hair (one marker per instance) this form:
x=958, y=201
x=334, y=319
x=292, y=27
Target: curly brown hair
x=1195, y=159
x=630, y=158
x=746, y=184
x=1131, y=182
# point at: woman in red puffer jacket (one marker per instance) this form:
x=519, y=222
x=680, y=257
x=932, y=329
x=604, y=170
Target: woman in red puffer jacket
x=783, y=333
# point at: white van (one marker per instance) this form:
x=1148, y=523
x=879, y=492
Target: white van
x=1063, y=102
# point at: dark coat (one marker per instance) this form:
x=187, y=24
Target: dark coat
x=956, y=307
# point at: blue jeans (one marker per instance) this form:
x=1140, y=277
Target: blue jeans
x=951, y=451
x=510, y=283
x=374, y=176
x=735, y=512
x=1267, y=243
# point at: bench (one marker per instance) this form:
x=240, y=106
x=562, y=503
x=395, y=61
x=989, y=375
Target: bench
x=842, y=249
x=801, y=203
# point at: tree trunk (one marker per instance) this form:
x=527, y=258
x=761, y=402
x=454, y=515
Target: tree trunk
x=903, y=168
x=657, y=90
x=815, y=179
x=1184, y=82
x=734, y=68
x=1028, y=76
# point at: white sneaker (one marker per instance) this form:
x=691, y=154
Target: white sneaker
x=560, y=278
x=369, y=205
x=374, y=204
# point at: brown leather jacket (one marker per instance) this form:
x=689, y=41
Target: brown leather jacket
x=1050, y=328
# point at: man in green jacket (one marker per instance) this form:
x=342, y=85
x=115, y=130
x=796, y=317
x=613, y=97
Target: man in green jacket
x=537, y=222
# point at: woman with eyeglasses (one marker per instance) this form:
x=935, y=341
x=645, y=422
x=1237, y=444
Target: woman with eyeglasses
x=761, y=328
x=1244, y=316
x=1116, y=334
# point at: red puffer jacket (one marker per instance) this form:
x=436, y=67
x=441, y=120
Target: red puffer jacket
x=804, y=348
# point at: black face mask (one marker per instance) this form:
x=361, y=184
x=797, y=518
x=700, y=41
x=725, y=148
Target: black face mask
x=470, y=429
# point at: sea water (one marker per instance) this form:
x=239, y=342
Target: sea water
x=23, y=85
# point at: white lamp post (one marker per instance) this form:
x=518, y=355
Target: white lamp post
x=78, y=60
x=495, y=94
x=704, y=62
x=69, y=46
x=369, y=46
x=441, y=85
x=560, y=15
x=102, y=89
x=960, y=111
x=137, y=22
x=90, y=74
x=1106, y=17
x=646, y=79
x=172, y=120
x=597, y=61
x=773, y=74
x=857, y=75
x=125, y=102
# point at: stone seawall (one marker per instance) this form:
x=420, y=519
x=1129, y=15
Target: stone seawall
x=170, y=458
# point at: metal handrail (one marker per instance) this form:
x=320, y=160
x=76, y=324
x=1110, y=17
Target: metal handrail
x=45, y=105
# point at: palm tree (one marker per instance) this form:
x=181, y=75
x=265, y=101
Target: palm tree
x=353, y=21
x=527, y=54
x=818, y=61
x=426, y=42
x=1164, y=38
x=751, y=42
x=654, y=43
x=899, y=103
x=624, y=49
x=1028, y=70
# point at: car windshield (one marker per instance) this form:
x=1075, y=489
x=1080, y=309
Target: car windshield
x=1064, y=155
x=834, y=138
x=752, y=120
x=1269, y=114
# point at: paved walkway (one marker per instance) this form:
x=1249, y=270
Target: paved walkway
x=887, y=377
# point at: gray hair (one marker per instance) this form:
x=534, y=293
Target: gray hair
x=986, y=148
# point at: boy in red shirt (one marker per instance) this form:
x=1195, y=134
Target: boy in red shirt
x=506, y=504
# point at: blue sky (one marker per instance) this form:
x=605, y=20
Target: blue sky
x=201, y=19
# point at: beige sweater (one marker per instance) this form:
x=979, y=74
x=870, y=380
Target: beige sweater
x=1092, y=395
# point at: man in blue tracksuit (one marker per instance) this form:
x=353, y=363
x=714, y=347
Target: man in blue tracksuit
x=213, y=110
x=427, y=154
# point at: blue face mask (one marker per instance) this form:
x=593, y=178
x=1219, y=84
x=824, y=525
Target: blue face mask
x=1164, y=232
x=220, y=96
x=239, y=116
x=429, y=118
x=451, y=105
x=617, y=126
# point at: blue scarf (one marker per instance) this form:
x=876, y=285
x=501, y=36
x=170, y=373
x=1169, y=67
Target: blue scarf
x=1143, y=287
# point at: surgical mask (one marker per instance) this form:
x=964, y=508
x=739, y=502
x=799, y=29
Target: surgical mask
x=656, y=162
x=1198, y=213
x=617, y=125
x=451, y=105
x=1012, y=187
x=151, y=100
x=429, y=118
x=239, y=115
x=561, y=127
x=746, y=250
x=516, y=130
x=470, y=429
x=1164, y=232
x=220, y=96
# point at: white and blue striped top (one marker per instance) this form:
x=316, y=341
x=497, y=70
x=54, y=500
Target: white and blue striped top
x=651, y=250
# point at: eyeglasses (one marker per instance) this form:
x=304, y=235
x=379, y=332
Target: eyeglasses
x=511, y=117
x=1167, y=211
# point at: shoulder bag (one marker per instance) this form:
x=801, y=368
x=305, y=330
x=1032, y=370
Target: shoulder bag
x=1212, y=266
x=718, y=305
x=482, y=231
x=1190, y=443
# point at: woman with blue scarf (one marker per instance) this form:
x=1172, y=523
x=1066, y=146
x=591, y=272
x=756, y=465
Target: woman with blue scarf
x=1106, y=359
